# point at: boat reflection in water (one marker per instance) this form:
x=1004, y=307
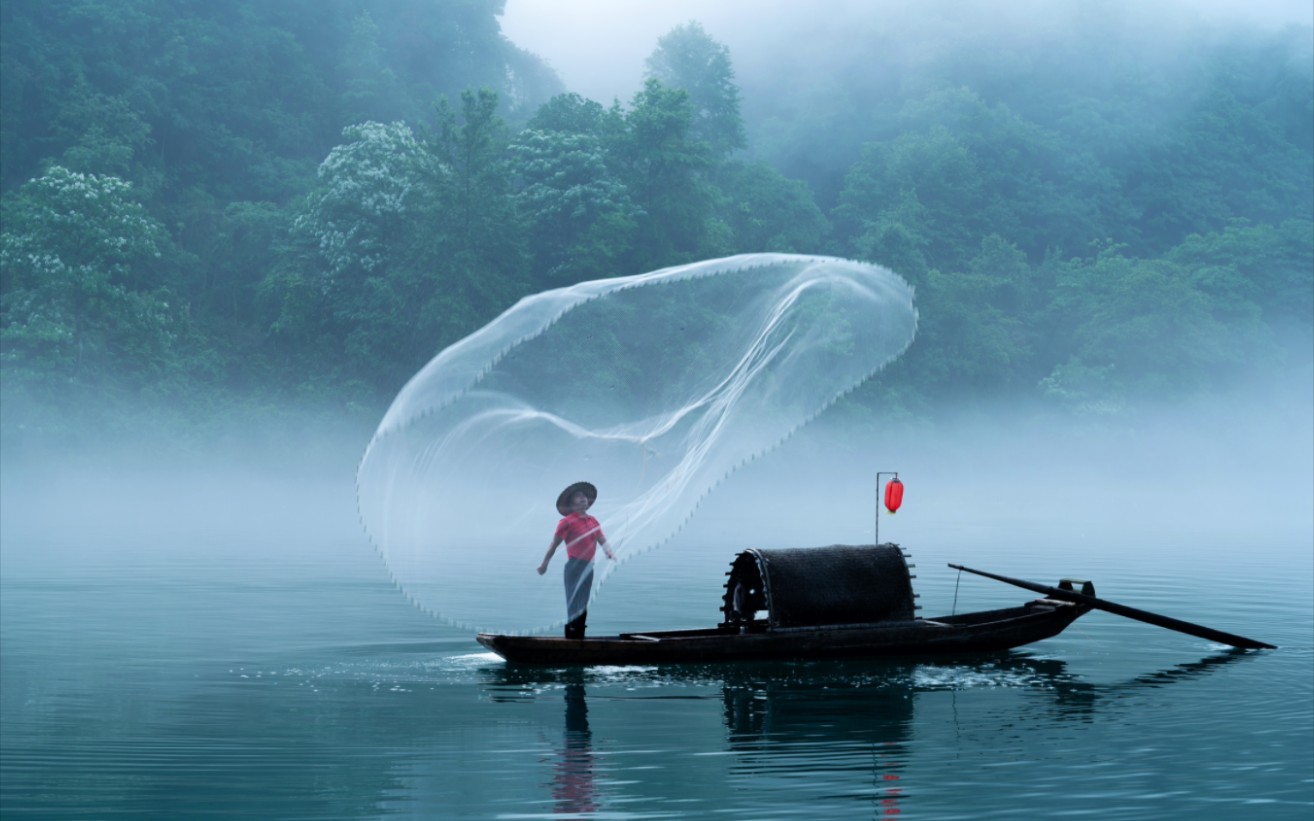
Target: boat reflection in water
x=829, y=721
x=846, y=731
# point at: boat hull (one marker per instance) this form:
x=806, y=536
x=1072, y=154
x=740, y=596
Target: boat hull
x=982, y=632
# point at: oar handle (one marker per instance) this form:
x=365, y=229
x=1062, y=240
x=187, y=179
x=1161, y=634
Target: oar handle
x=1168, y=622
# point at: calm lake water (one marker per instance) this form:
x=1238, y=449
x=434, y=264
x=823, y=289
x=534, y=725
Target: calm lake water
x=234, y=648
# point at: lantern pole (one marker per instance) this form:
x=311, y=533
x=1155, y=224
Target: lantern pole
x=880, y=501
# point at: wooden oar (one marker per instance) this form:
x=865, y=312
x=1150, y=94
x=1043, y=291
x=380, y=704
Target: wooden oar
x=1129, y=612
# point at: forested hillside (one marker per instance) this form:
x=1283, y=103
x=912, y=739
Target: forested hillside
x=230, y=208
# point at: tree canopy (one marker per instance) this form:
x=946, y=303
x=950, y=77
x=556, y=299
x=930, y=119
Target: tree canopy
x=254, y=202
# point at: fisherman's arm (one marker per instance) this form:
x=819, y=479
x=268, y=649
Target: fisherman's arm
x=552, y=548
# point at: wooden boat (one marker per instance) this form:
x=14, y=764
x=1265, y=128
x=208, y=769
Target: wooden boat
x=986, y=631
x=834, y=602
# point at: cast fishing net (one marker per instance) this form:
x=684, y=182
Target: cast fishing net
x=653, y=387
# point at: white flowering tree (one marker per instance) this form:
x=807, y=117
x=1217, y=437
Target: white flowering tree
x=80, y=302
x=370, y=189
x=404, y=246
x=351, y=291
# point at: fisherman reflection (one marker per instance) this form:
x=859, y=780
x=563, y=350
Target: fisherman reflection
x=573, y=787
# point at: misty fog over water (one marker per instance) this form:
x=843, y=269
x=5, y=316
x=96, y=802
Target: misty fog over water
x=1236, y=475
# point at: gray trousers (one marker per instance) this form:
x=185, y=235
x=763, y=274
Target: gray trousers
x=579, y=584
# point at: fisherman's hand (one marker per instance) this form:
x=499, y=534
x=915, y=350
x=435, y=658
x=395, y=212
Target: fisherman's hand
x=611, y=555
x=542, y=568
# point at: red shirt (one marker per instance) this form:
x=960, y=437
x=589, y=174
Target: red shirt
x=581, y=535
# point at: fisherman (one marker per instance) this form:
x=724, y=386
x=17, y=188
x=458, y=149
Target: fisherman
x=582, y=534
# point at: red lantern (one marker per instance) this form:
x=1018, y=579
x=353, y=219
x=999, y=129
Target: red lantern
x=893, y=495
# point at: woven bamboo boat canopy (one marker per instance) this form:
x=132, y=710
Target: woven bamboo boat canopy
x=815, y=586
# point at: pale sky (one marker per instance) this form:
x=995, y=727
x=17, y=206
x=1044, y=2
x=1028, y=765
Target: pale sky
x=598, y=46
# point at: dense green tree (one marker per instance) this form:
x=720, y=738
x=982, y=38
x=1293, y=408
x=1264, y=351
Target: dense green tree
x=573, y=114
x=1260, y=279
x=580, y=217
x=83, y=303
x=687, y=58
x=371, y=89
x=479, y=248
x=961, y=170
x=1086, y=212
x=1277, y=261
x=1240, y=147
x=1142, y=319
x=663, y=168
x=347, y=294
x=764, y=211
x=245, y=247
x=931, y=186
x=406, y=245
x=974, y=336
